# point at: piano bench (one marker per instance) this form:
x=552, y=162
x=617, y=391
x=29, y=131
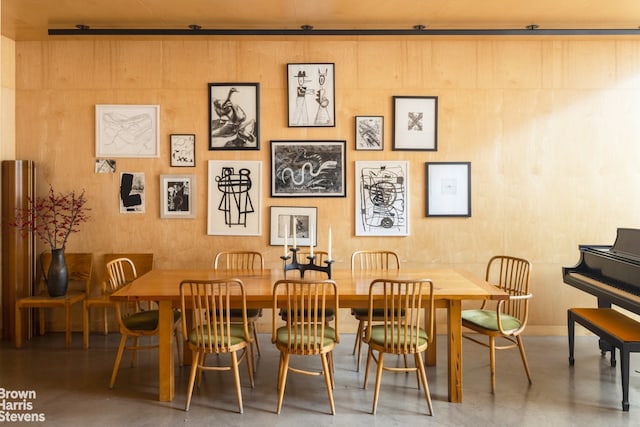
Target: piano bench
x=613, y=327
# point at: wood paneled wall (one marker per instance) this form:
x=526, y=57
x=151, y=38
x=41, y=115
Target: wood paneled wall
x=550, y=126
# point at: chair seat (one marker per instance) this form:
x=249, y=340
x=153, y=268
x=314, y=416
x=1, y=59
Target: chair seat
x=146, y=320
x=251, y=313
x=364, y=313
x=378, y=334
x=236, y=332
x=329, y=313
x=302, y=336
x=488, y=319
x=44, y=300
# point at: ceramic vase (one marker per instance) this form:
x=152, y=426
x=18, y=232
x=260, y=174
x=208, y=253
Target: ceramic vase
x=57, y=275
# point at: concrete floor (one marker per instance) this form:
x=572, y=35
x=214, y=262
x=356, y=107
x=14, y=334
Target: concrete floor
x=71, y=388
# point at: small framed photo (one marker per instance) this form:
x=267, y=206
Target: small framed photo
x=183, y=150
x=449, y=189
x=308, y=169
x=290, y=220
x=234, y=116
x=175, y=196
x=369, y=132
x=127, y=131
x=415, y=123
x=311, y=95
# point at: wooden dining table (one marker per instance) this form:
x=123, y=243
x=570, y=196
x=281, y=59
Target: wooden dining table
x=451, y=287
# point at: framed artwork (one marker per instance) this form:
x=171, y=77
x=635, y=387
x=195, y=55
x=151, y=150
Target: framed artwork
x=234, y=198
x=132, y=192
x=183, y=150
x=311, y=95
x=175, y=196
x=415, y=123
x=382, y=198
x=234, y=116
x=290, y=220
x=308, y=169
x=369, y=132
x=449, y=189
x=105, y=166
x=127, y=131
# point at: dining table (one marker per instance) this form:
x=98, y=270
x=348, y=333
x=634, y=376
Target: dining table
x=451, y=287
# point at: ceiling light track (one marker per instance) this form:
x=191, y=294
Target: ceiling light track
x=308, y=30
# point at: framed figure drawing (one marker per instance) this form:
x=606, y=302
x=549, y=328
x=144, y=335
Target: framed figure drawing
x=175, y=196
x=311, y=95
x=183, y=150
x=132, y=192
x=234, y=198
x=127, y=131
x=369, y=132
x=234, y=116
x=382, y=198
x=449, y=189
x=308, y=169
x=415, y=123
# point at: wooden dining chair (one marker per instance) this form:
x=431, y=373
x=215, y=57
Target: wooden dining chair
x=369, y=261
x=400, y=331
x=213, y=330
x=321, y=257
x=80, y=267
x=305, y=333
x=243, y=262
x=134, y=320
x=508, y=319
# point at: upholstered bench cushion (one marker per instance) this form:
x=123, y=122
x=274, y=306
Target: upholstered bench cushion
x=489, y=320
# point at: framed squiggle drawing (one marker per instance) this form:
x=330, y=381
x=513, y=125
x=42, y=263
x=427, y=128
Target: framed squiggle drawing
x=308, y=169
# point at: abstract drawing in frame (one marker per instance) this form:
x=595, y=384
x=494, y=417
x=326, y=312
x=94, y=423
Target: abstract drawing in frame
x=234, y=116
x=132, y=192
x=311, y=95
x=308, y=169
x=382, y=198
x=448, y=189
x=415, y=123
x=369, y=132
x=234, y=203
x=289, y=218
x=175, y=196
x=127, y=131
x=183, y=150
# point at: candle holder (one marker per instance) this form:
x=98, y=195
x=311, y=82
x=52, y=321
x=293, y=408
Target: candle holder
x=311, y=265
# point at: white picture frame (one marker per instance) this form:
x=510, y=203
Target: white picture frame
x=177, y=196
x=284, y=217
x=127, y=131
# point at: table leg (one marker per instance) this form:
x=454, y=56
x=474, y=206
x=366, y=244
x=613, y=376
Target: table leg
x=454, y=318
x=165, y=356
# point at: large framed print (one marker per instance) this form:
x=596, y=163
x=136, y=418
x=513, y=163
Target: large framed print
x=311, y=95
x=127, y=131
x=308, y=169
x=176, y=199
x=369, y=132
x=290, y=220
x=382, y=198
x=234, y=198
x=234, y=116
x=415, y=123
x=183, y=150
x=449, y=189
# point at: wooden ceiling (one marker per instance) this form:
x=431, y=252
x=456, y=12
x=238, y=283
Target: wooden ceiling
x=31, y=19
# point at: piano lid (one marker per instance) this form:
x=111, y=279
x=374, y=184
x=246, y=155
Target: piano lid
x=627, y=242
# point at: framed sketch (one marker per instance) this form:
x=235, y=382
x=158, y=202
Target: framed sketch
x=382, y=198
x=415, y=123
x=183, y=150
x=311, y=95
x=175, y=196
x=234, y=116
x=127, y=131
x=449, y=189
x=287, y=220
x=369, y=132
x=234, y=203
x=132, y=192
x=308, y=169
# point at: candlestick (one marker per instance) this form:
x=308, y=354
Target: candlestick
x=329, y=251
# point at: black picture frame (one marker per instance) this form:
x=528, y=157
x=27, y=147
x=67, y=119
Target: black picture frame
x=415, y=123
x=311, y=95
x=234, y=116
x=182, y=148
x=448, y=189
x=308, y=169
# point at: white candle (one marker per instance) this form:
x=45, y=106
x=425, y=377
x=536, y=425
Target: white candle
x=294, y=232
x=311, y=240
x=329, y=251
x=286, y=234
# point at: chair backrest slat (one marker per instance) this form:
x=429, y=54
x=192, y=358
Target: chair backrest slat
x=239, y=261
x=374, y=261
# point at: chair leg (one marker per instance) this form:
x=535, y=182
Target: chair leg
x=422, y=374
x=492, y=362
x=236, y=378
x=282, y=380
x=192, y=379
x=328, y=381
x=116, y=365
x=105, y=321
x=524, y=358
x=134, y=351
x=18, y=327
x=376, y=392
x=250, y=368
x=41, y=320
x=85, y=325
x=67, y=324
x=359, y=341
x=255, y=339
x=368, y=365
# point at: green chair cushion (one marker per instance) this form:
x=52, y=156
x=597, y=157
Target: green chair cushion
x=364, y=312
x=237, y=335
x=488, y=319
x=146, y=320
x=328, y=313
x=282, y=336
x=377, y=335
